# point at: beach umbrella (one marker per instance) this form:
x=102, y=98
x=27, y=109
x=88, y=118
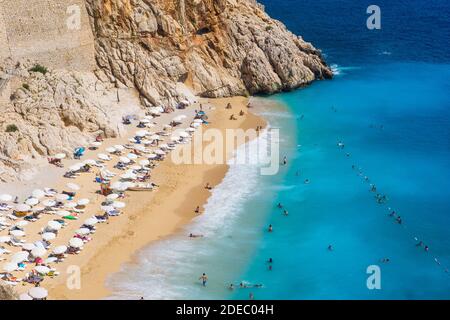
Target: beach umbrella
x=136, y=167
x=139, y=148
x=54, y=225
x=96, y=144
x=174, y=138
x=62, y=213
x=49, y=203
x=119, y=147
x=4, y=239
x=155, y=137
x=184, y=135
x=17, y=233
x=76, y=242
x=118, y=204
x=5, y=198
x=83, y=231
x=22, y=223
x=110, y=150
x=60, y=156
x=48, y=236
x=42, y=269
x=159, y=152
x=152, y=156
x=38, y=193
x=132, y=156
x=90, y=162
x=91, y=222
x=28, y=246
x=112, y=196
x=190, y=130
x=142, y=133
x=75, y=167
x=128, y=176
x=73, y=186
x=124, y=160
x=83, y=202
x=60, y=250
x=38, y=208
x=62, y=197
x=32, y=201
x=10, y=267
x=103, y=157
x=107, y=208
x=22, y=208
x=39, y=252
x=38, y=293
x=195, y=125
x=25, y=296
x=144, y=162
x=70, y=205
x=20, y=257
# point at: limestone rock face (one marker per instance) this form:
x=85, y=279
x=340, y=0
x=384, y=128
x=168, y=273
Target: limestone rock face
x=52, y=113
x=217, y=47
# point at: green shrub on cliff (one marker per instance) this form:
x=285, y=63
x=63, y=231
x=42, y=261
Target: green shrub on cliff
x=11, y=128
x=39, y=68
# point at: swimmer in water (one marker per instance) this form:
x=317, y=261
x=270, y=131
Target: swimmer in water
x=280, y=205
x=330, y=247
x=285, y=212
x=231, y=287
x=307, y=181
x=270, y=228
x=285, y=161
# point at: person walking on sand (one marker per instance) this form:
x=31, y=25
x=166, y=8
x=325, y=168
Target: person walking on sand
x=204, y=279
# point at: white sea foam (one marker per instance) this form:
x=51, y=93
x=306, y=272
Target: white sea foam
x=169, y=269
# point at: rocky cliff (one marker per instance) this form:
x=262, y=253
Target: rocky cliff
x=217, y=47
x=146, y=49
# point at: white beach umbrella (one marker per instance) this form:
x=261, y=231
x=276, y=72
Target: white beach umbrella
x=144, y=163
x=22, y=208
x=152, y=156
x=21, y=224
x=28, y=246
x=155, y=137
x=60, y=250
x=83, y=231
x=118, y=204
x=128, y=176
x=103, y=157
x=38, y=208
x=190, y=130
x=159, y=152
x=62, y=213
x=76, y=242
x=31, y=201
x=91, y=221
x=42, y=269
x=54, y=225
x=112, y=196
x=117, y=185
x=195, y=125
x=10, y=267
x=124, y=160
x=139, y=147
x=38, y=193
x=132, y=156
x=49, y=203
x=61, y=197
x=48, y=236
x=110, y=150
x=25, y=296
x=17, y=233
x=20, y=257
x=38, y=252
x=90, y=162
x=142, y=133
x=119, y=147
x=107, y=208
x=38, y=293
x=96, y=144
x=60, y=156
x=83, y=202
x=184, y=135
x=4, y=239
x=5, y=198
x=175, y=138
x=73, y=186
x=75, y=167
x=70, y=205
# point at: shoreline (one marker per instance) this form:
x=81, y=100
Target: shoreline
x=148, y=217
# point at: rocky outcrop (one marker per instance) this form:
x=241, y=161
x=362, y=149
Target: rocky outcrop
x=216, y=47
x=53, y=113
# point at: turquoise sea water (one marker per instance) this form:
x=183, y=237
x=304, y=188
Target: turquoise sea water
x=390, y=104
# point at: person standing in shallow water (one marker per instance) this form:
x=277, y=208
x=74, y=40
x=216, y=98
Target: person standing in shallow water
x=204, y=279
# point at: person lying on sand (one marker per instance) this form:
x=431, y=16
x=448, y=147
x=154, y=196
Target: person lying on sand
x=191, y=235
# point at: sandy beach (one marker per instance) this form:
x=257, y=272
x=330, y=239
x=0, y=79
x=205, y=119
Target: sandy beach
x=148, y=216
